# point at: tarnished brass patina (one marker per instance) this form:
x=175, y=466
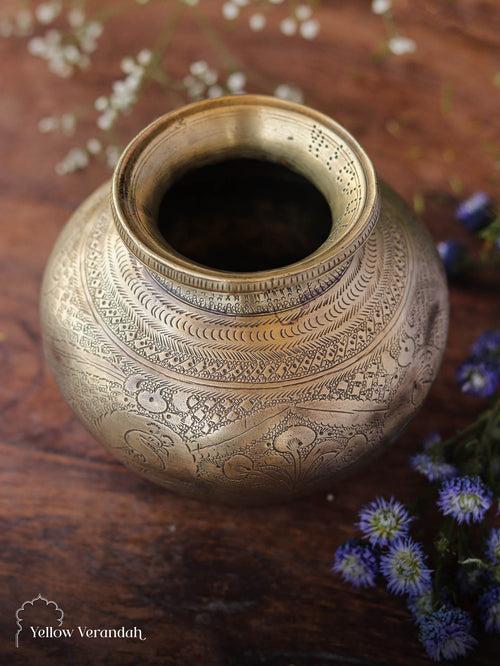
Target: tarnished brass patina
x=244, y=387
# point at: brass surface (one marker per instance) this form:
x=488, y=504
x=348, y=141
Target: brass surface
x=244, y=387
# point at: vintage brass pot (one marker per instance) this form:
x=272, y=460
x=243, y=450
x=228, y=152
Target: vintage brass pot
x=244, y=387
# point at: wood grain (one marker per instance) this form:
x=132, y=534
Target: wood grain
x=210, y=584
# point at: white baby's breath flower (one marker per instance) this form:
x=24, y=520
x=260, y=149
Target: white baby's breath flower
x=289, y=92
x=400, y=45
x=236, y=82
x=112, y=156
x=76, y=17
x=101, y=103
x=68, y=123
x=257, y=22
x=94, y=146
x=381, y=6
x=303, y=12
x=230, y=11
x=288, y=26
x=215, y=91
x=309, y=29
x=198, y=68
x=24, y=22
x=46, y=12
x=144, y=57
x=48, y=124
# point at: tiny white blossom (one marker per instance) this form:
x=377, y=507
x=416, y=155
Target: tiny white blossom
x=112, y=156
x=236, y=82
x=68, y=123
x=215, y=91
x=309, y=29
x=381, y=6
x=101, y=103
x=230, y=11
x=144, y=57
x=94, y=146
x=289, y=92
x=46, y=12
x=198, y=68
x=76, y=17
x=48, y=124
x=36, y=46
x=288, y=26
x=257, y=22
x=400, y=45
x=303, y=12
x=24, y=22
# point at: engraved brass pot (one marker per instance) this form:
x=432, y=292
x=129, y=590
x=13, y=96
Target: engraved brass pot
x=244, y=387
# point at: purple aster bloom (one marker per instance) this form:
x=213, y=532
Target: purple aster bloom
x=452, y=255
x=493, y=545
x=465, y=498
x=478, y=378
x=405, y=569
x=489, y=607
x=383, y=520
x=446, y=633
x=486, y=345
x=476, y=212
x=356, y=563
x=434, y=470
x=431, y=440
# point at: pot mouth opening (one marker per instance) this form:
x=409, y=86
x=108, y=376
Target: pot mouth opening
x=243, y=215
x=303, y=189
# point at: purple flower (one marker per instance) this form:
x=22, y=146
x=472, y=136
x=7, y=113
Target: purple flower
x=489, y=607
x=486, y=345
x=383, y=520
x=446, y=633
x=465, y=498
x=453, y=256
x=476, y=212
x=478, y=378
x=434, y=470
x=493, y=545
x=356, y=563
x=405, y=569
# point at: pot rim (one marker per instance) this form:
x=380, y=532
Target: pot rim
x=318, y=136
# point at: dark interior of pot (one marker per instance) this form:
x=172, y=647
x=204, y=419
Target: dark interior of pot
x=244, y=215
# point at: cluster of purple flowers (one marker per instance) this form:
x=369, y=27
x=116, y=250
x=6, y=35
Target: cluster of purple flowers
x=386, y=550
x=475, y=214
x=480, y=373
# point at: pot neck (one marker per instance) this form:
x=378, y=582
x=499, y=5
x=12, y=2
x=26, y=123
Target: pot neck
x=247, y=126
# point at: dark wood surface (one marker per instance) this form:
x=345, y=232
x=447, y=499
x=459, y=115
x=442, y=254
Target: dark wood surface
x=210, y=584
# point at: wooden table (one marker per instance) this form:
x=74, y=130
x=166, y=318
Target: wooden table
x=210, y=584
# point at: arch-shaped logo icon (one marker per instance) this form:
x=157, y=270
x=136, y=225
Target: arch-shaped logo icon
x=31, y=602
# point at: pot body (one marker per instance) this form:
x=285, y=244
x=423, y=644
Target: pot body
x=210, y=399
